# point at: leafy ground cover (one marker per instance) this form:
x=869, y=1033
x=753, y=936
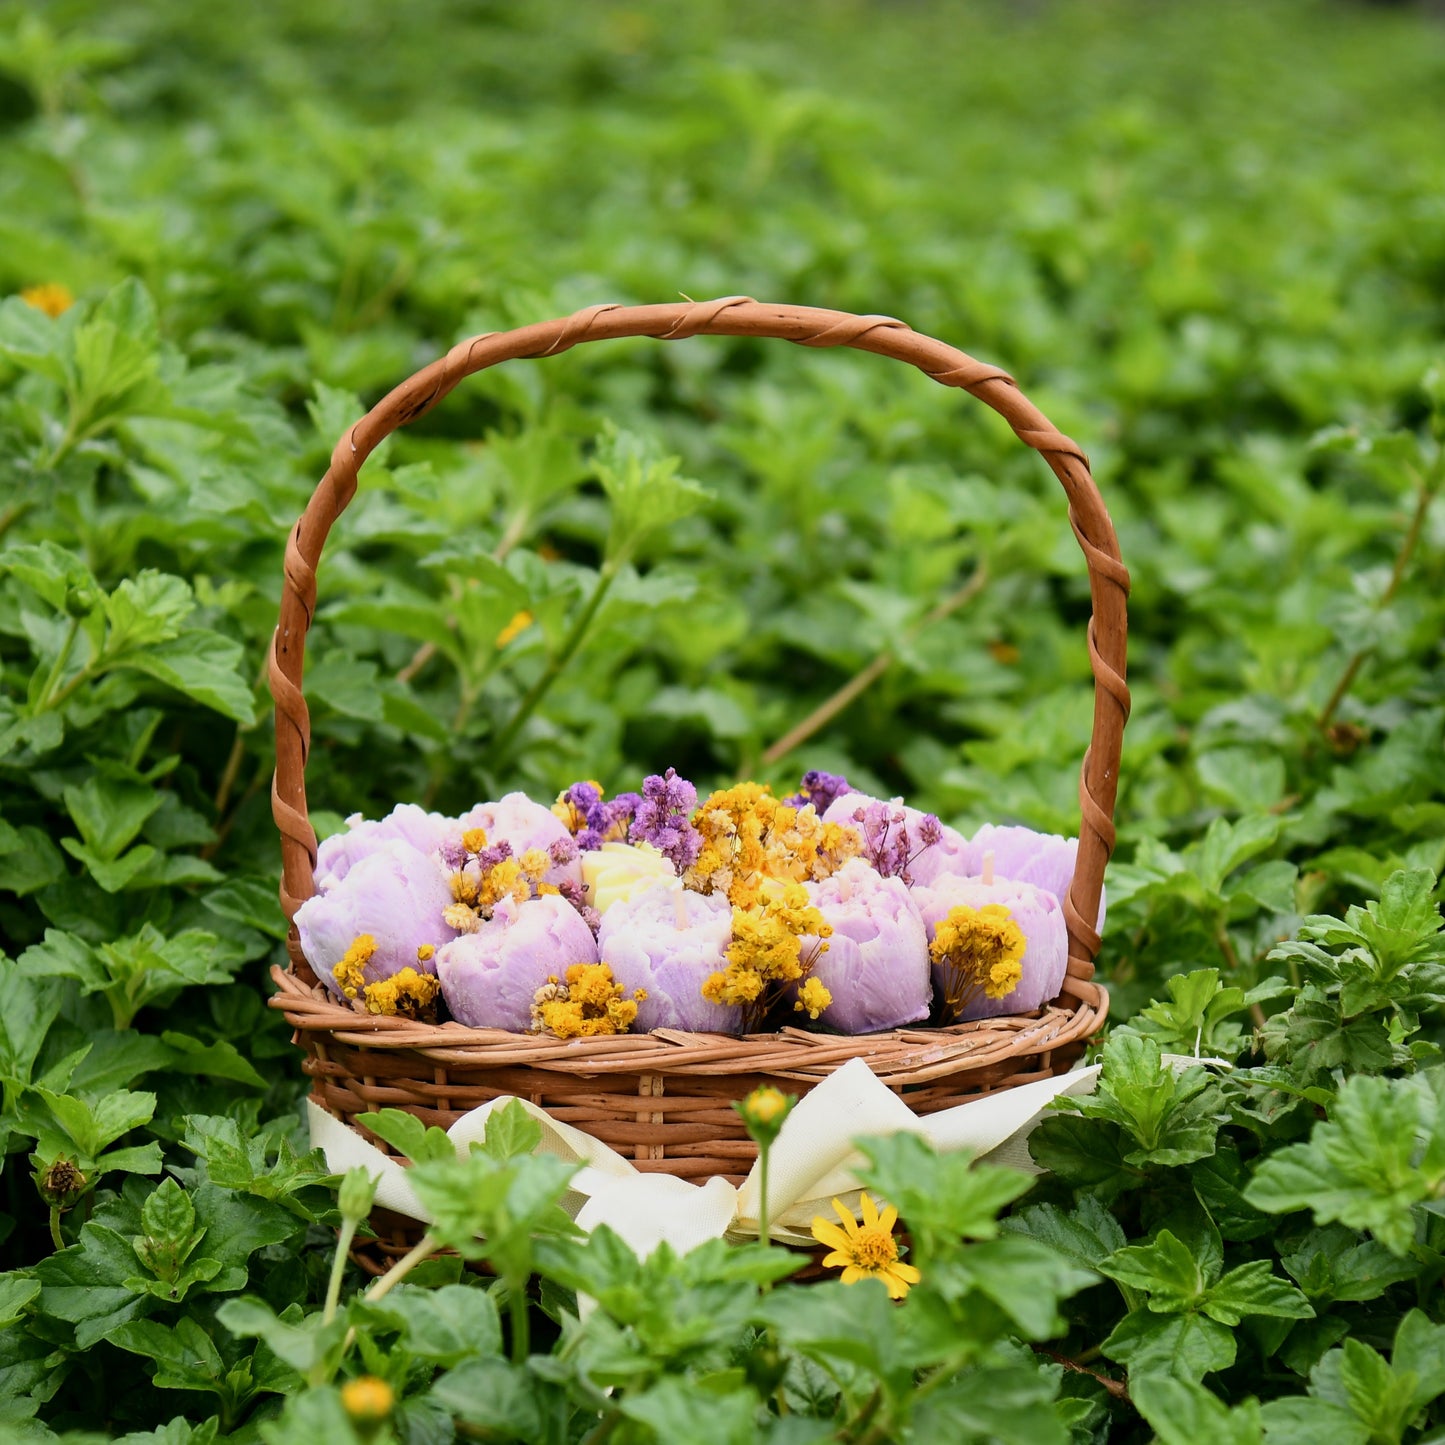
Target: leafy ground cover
x=1210, y=241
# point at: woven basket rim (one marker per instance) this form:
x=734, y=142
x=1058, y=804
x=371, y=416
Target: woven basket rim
x=899, y=1056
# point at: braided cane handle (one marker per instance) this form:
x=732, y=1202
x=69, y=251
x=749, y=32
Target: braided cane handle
x=729, y=316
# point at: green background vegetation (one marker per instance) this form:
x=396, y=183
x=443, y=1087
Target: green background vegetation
x=1209, y=241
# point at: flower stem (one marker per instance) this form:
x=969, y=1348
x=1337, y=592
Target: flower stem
x=764, y=1149
x=521, y=1321
x=338, y=1268
x=57, y=668
x=861, y=681
x=1427, y=488
x=55, y=1226
x=558, y=662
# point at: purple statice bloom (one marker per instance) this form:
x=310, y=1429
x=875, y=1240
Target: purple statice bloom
x=577, y=897
x=820, y=789
x=669, y=941
x=664, y=819
x=489, y=977
x=406, y=823
x=876, y=966
x=522, y=825
x=1037, y=913
x=396, y=894
x=900, y=842
x=1024, y=856
x=601, y=821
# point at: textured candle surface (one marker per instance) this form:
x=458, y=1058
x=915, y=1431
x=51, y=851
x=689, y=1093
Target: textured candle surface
x=489, y=977
x=525, y=825
x=617, y=871
x=668, y=941
x=1043, y=859
x=1034, y=909
x=876, y=966
x=337, y=855
x=396, y=895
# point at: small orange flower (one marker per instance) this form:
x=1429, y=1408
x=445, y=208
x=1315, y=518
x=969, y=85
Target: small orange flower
x=51, y=297
x=866, y=1251
x=367, y=1400
x=520, y=622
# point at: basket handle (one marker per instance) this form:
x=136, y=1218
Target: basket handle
x=728, y=316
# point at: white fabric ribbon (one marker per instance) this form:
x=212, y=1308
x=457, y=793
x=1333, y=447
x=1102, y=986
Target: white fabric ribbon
x=812, y=1162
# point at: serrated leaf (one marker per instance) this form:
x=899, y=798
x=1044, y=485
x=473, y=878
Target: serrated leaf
x=203, y=665
x=1186, y=1346
x=409, y=1136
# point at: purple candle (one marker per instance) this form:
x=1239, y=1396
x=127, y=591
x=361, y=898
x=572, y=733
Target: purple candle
x=489, y=977
x=669, y=941
x=897, y=840
x=406, y=823
x=1035, y=911
x=876, y=966
x=395, y=896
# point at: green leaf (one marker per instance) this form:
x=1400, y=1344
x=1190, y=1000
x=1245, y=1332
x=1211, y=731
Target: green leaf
x=1254, y=1289
x=305, y=1344
x=1185, y=1413
x=1010, y=1405
x=110, y=809
x=1304, y=1420
x=496, y=1396
x=1380, y=1153
x=410, y=1137
x=16, y=1293
x=184, y=1354
x=30, y=1009
x=1173, y=1117
x=940, y=1196
x=203, y=665
x=1166, y=1268
x=1186, y=1346
x=448, y=1325
x=679, y=1409
x=1085, y=1235
x=644, y=489
x=511, y=1132
x=90, y=1127
x=146, y=609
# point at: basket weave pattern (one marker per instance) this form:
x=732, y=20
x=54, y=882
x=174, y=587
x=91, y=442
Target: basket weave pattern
x=664, y=1099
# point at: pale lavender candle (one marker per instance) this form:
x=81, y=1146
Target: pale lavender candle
x=876, y=966
x=669, y=941
x=1044, y=859
x=395, y=895
x=524, y=826
x=1036, y=911
x=489, y=977
x=337, y=855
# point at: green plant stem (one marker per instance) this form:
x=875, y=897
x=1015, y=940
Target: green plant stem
x=763, y=1151
x=862, y=680
x=521, y=1321
x=338, y=1269
x=427, y=1247
x=13, y=514
x=57, y=668
x=55, y=1226
x=1428, y=487
x=558, y=662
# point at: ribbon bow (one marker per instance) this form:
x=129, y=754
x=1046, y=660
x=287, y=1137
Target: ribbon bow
x=812, y=1161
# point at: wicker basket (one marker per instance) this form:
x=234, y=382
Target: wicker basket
x=664, y=1099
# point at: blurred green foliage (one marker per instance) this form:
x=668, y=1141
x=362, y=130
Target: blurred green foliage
x=1208, y=240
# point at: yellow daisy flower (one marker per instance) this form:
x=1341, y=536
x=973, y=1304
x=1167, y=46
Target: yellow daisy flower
x=866, y=1251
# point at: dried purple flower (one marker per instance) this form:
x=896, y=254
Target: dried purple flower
x=899, y=841
x=663, y=819
x=591, y=821
x=564, y=850
x=820, y=789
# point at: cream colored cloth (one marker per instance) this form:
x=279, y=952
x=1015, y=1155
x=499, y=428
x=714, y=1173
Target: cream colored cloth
x=812, y=1162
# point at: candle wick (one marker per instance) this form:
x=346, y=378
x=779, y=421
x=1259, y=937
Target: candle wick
x=988, y=868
